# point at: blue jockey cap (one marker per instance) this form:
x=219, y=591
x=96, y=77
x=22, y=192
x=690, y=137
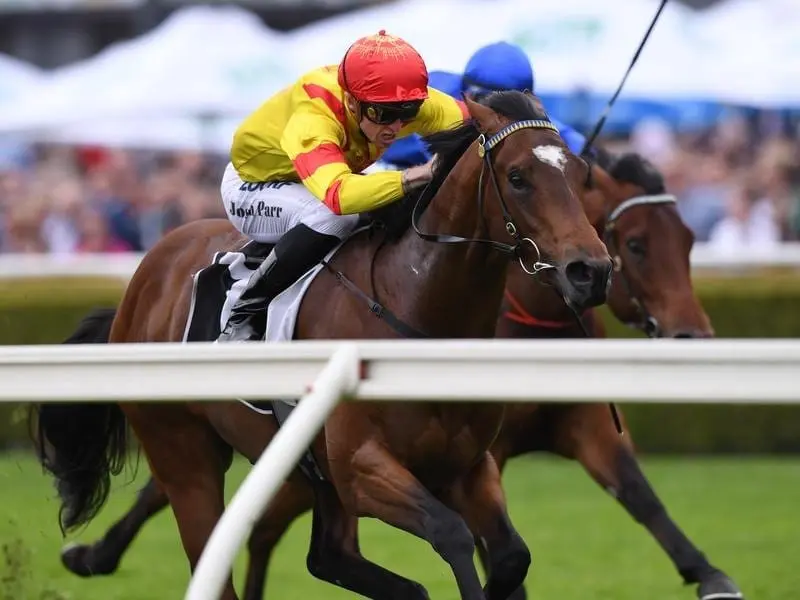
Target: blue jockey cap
x=447, y=82
x=498, y=66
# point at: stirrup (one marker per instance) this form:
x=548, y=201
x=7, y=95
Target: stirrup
x=239, y=327
x=240, y=332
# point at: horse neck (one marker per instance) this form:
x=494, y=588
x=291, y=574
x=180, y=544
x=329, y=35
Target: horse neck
x=611, y=198
x=455, y=290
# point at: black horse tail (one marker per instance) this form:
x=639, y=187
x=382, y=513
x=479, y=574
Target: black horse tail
x=82, y=445
x=94, y=328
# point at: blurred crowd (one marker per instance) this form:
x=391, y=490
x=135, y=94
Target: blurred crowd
x=66, y=200
x=737, y=183
x=738, y=186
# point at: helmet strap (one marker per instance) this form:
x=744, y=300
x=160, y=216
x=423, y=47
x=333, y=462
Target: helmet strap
x=358, y=113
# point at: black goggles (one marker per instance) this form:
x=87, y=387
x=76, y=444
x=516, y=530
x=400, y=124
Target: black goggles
x=386, y=114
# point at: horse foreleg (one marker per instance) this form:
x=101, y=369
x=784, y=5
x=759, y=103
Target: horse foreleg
x=586, y=433
x=373, y=483
x=186, y=459
x=293, y=499
x=480, y=499
x=334, y=555
x=500, y=453
x=103, y=557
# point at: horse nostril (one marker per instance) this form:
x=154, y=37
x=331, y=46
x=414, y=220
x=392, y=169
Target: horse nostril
x=579, y=273
x=691, y=334
x=585, y=274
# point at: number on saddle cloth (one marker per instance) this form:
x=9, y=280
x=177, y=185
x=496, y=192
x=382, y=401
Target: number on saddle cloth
x=217, y=287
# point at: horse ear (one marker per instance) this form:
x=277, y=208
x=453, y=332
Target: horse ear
x=537, y=102
x=485, y=118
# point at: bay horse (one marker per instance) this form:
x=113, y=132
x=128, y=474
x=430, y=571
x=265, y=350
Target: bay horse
x=629, y=206
x=423, y=468
x=651, y=291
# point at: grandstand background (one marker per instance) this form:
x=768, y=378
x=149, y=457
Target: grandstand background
x=115, y=116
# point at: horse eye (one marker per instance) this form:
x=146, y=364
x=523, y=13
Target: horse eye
x=517, y=180
x=637, y=247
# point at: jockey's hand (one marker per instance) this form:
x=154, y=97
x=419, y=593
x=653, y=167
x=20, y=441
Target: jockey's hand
x=419, y=175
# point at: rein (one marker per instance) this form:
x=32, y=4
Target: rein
x=484, y=151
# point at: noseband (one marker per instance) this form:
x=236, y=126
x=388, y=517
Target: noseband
x=648, y=323
x=484, y=152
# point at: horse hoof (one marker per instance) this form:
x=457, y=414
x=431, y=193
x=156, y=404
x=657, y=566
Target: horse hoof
x=719, y=587
x=77, y=558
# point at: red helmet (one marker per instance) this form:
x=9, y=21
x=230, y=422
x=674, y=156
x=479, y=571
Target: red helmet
x=383, y=68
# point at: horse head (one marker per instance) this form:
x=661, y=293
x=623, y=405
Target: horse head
x=525, y=182
x=650, y=245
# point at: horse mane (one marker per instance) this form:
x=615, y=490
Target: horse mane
x=636, y=169
x=604, y=159
x=449, y=145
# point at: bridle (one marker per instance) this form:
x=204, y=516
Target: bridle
x=484, y=152
x=647, y=322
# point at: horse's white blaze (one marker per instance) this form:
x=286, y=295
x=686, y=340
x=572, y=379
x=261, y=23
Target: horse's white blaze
x=552, y=155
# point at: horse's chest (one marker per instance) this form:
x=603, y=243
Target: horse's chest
x=448, y=443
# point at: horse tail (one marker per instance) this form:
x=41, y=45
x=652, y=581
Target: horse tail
x=94, y=328
x=82, y=445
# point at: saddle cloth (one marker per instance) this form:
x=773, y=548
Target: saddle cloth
x=217, y=287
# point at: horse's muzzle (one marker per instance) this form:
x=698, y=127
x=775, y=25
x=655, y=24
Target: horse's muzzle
x=586, y=281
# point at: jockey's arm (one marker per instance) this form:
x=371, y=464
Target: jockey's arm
x=313, y=140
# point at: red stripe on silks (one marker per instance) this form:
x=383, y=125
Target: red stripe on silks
x=306, y=163
x=317, y=91
x=332, y=197
x=464, y=110
x=525, y=318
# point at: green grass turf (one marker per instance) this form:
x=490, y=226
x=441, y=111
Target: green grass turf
x=742, y=512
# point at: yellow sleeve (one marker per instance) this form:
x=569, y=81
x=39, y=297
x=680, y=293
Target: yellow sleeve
x=439, y=112
x=313, y=140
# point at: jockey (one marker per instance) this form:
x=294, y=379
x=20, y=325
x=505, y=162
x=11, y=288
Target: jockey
x=294, y=179
x=497, y=66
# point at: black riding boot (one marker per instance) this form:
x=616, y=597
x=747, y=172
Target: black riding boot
x=296, y=252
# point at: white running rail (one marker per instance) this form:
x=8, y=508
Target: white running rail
x=638, y=370
x=677, y=371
